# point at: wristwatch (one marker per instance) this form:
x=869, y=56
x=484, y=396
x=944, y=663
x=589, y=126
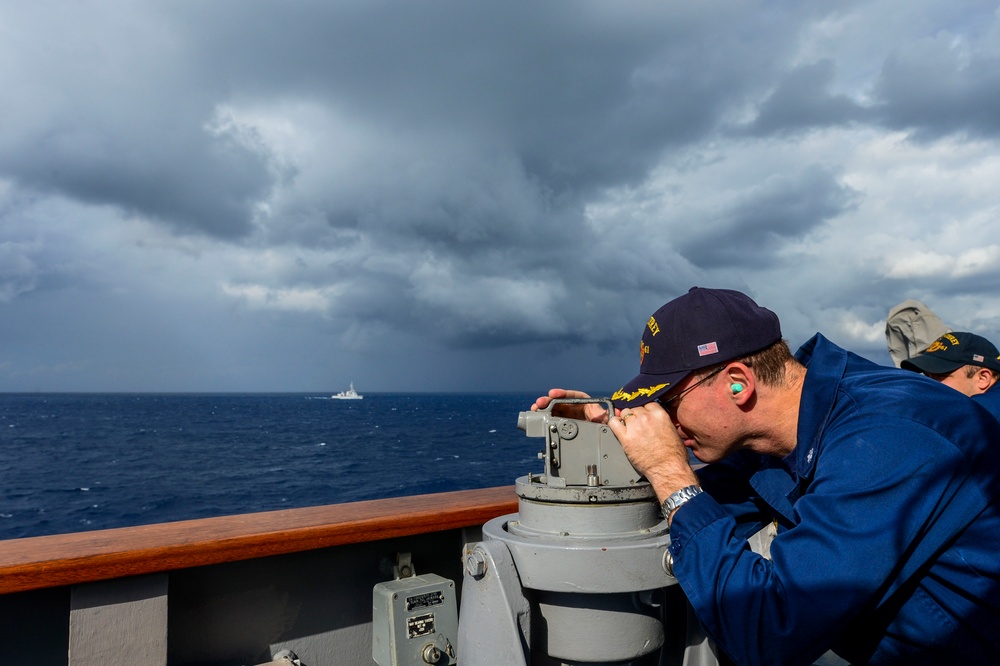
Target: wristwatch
x=679, y=498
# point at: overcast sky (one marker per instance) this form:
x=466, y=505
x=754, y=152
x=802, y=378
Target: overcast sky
x=477, y=196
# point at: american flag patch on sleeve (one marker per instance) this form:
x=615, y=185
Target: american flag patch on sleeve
x=708, y=348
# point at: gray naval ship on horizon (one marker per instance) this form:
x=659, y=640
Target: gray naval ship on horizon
x=568, y=567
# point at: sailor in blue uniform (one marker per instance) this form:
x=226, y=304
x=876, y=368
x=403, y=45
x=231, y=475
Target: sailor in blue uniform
x=883, y=487
x=964, y=361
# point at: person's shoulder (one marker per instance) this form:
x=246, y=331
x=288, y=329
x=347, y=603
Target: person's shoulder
x=991, y=396
x=871, y=397
x=904, y=393
x=990, y=400
x=820, y=351
x=885, y=394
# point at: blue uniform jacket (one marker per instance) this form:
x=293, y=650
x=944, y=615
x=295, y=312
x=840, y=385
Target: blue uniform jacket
x=990, y=400
x=888, y=549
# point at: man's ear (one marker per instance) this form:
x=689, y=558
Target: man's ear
x=984, y=379
x=740, y=381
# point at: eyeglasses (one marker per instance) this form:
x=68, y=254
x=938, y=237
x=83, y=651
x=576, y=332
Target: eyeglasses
x=676, y=399
x=940, y=376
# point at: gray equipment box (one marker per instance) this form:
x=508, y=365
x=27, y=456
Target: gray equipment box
x=414, y=621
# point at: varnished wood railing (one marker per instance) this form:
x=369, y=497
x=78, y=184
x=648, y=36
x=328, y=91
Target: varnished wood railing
x=66, y=559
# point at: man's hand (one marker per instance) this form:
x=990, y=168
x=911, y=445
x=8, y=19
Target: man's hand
x=588, y=412
x=654, y=448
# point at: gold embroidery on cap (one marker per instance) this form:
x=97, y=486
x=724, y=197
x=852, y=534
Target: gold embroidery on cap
x=638, y=393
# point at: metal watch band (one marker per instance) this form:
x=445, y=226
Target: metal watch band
x=679, y=498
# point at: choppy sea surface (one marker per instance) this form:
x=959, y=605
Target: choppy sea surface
x=76, y=462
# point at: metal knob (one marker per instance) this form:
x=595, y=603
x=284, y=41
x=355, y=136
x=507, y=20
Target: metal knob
x=431, y=654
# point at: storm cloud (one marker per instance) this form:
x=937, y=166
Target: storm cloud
x=259, y=196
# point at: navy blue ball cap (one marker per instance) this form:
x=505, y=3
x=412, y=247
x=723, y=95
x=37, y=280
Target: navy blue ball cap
x=953, y=351
x=704, y=327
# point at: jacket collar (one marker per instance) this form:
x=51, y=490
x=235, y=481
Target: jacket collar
x=826, y=364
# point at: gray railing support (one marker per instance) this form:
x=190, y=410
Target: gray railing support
x=119, y=621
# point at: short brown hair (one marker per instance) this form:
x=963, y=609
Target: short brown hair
x=768, y=363
x=971, y=370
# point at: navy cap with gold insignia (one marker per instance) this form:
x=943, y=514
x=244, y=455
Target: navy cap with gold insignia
x=953, y=351
x=702, y=328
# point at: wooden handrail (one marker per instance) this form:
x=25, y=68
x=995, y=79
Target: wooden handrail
x=65, y=559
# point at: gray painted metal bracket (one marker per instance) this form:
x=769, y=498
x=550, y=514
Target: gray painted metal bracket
x=494, y=624
x=123, y=618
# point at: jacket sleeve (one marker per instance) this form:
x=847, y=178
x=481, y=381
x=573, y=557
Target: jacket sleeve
x=728, y=482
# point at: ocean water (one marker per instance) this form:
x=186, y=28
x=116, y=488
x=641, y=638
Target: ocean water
x=76, y=462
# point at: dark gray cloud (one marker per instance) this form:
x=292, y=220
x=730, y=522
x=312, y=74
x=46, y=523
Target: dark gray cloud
x=190, y=186
x=802, y=100
x=936, y=87
x=578, y=96
x=579, y=93
x=751, y=229
x=100, y=106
